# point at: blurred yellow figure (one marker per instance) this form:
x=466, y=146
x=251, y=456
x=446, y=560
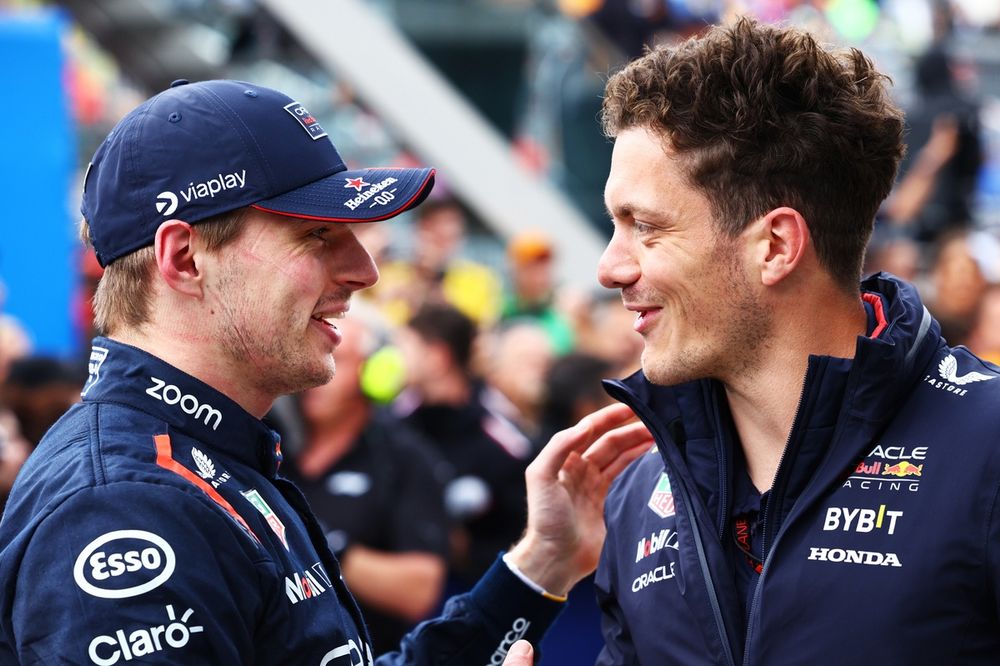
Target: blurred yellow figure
x=434, y=273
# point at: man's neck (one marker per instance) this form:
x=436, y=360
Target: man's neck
x=764, y=400
x=195, y=355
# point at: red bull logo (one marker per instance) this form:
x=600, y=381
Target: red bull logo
x=902, y=469
x=873, y=468
x=885, y=460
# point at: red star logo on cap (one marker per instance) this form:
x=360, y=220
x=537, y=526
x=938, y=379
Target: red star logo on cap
x=356, y=183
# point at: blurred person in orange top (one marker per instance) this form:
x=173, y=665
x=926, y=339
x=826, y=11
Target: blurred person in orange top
x=532, y=291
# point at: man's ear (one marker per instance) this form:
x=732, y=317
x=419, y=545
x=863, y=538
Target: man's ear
x=176, y=257
x=782, y=239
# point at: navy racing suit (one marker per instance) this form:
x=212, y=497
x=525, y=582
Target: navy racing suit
x=151, y=526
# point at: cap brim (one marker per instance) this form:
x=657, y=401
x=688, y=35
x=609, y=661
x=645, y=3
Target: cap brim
x=360, y=195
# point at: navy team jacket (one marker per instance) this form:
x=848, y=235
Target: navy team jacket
x=151, y=526
x=881, y=538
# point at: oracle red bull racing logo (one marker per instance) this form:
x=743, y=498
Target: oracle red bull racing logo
x=306, y=120
x=886, y=467
x=904, y=469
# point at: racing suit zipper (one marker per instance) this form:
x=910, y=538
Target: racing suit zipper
x=776, y=488
x=625, y=395
x=725, y=461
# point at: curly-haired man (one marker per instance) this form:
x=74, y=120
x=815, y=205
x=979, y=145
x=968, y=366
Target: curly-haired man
x=824, y=487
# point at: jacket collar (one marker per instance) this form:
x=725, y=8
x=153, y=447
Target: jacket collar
x=691, y=420
x=884, y=367
x=123, y=374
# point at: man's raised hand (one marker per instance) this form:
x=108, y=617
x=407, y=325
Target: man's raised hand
x=567, y=483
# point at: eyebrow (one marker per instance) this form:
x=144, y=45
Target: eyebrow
x=631, y=210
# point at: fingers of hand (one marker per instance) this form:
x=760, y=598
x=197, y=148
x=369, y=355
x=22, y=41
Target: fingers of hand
x=613, y=444
x=573, y=471
x=623, y=460
x=604, y=460
x=579, y=437
x=606, y=418
x=520, y=654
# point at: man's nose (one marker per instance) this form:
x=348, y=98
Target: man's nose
x=617, y=267
x=354, y=265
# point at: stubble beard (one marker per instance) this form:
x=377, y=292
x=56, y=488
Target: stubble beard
x=730, y=344
x=276, y=358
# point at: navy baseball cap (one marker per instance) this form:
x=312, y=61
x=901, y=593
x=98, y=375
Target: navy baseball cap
x=199, y=149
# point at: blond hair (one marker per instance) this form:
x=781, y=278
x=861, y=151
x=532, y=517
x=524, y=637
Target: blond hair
x=124, y=294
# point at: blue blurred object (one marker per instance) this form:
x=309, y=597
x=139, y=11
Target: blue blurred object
x=575, y=637
x=36, y=170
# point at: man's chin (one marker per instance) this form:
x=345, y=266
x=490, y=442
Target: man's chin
x=663, y=373
x=308, y=378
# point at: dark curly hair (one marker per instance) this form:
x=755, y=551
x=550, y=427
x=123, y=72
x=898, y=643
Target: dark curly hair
x=763, y=117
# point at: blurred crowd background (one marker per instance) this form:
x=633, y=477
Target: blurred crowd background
x=487, y=332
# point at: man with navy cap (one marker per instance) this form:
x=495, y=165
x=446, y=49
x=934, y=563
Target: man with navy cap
x=152, y=524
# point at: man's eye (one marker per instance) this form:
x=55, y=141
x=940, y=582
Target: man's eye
x=641, y=228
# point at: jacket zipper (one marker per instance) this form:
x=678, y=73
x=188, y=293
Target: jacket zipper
x=643, y=413
x=765, y=552
x=723, y=471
